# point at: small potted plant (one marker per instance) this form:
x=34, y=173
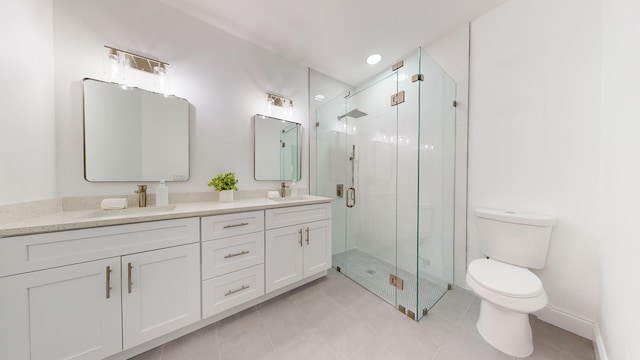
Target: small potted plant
x=226, y=184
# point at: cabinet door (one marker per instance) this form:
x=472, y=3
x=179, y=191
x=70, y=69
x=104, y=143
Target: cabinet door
x=283, y=257
x=317, y=247
x=62, y=313
x=160, y=292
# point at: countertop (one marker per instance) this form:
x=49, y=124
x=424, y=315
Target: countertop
x=83, y=219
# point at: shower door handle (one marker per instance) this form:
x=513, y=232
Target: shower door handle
x=351, y=197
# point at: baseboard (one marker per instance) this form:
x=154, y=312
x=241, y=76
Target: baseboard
x=601, y=353
x=567, y=321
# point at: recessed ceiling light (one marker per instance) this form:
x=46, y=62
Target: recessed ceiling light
x=319, y=97
x=374, y=59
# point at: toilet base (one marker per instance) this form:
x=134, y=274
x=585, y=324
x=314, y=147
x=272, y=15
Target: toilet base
x=506, y=330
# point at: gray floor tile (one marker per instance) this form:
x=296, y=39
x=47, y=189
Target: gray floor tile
x=153, y=354
x=202, y=344
x=344, y=333
x=335, y=318
x=253, y=344
x=243, y=321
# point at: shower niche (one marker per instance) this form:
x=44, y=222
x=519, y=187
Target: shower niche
x=390, y=143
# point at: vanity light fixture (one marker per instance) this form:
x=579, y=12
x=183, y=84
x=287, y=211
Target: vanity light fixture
x=280, y=107
x=119, y=60
x=138, y=62
x=374, y=59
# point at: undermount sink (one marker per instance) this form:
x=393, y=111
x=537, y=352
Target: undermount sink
x=131, y=211
x=291, y=198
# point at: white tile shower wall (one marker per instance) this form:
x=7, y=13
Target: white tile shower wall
x=534, y=134
x=223, y=77
x=620, y=175
x=27, y=122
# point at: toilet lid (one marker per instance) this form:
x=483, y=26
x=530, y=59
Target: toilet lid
x=505, y=279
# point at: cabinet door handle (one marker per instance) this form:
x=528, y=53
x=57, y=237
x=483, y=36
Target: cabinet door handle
x=244, y=287
x=129, y=269
x=243, y=252
x=307, y=235
x=235, y=225
x=108, y=287
x=300, y=241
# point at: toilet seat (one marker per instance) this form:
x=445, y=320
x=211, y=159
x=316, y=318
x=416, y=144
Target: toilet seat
x=505, y=285
x=505, y=279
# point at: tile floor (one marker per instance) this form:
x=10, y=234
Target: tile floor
x=335, y=318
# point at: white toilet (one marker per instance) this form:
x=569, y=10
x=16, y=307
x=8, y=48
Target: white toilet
x=513, y=242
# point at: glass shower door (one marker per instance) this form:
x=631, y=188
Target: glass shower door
x=370, y=124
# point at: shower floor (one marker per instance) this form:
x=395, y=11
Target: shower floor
x=373, y=274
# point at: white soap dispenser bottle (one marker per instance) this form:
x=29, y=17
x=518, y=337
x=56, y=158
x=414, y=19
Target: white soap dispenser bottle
x=162, y=194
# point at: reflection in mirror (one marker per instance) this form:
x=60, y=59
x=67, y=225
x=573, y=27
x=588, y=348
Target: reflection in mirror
x=132, y=134
x=277, y=149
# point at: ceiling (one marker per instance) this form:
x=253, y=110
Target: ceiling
x=336, y=36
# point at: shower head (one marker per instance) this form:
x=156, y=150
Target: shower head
x=355, y=113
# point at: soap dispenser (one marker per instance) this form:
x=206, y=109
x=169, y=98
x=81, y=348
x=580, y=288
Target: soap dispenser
x=162, y=194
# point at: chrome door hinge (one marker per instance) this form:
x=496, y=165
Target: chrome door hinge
x=455, y=103
x=417, y=77
x=397, y=65
x=317, y=123
x=397, y=98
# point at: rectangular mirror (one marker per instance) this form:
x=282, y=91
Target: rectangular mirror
x=277, y=149
x=132, y=134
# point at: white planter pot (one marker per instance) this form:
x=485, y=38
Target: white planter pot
x=226, y=196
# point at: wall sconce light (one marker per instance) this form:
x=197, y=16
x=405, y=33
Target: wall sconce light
x=116, y=61
x=279, y=107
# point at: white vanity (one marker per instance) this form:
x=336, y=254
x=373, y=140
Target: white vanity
x=79, y=287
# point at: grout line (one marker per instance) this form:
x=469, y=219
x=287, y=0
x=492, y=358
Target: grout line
x=437, y=352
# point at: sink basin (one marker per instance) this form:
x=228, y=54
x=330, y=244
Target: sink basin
x=290, y=198
x=131, y=211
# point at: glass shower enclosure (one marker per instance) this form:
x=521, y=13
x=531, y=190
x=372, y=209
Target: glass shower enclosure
x=385, y=154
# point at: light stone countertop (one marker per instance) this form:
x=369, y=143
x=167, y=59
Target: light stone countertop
x=83, y=219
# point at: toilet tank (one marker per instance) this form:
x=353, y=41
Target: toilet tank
x=516, y=238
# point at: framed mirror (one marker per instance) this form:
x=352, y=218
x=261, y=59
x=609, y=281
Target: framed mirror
x=277, y=149
x=132, y=134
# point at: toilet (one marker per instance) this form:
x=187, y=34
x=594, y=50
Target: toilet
x=513, y=242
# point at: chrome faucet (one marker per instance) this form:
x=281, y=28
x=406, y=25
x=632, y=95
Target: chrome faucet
x=142, y=195
x=283, y=189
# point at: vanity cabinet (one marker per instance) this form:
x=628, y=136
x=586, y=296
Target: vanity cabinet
x=160, y=293
x=232, y=260
x=95, y=308
x=62, y=313
x=296, y=246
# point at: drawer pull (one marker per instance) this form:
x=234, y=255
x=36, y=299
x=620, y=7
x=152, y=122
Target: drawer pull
x=243, y=252
x=244, y=287
x=108, y=282
x=129, y=283
x=235, y=225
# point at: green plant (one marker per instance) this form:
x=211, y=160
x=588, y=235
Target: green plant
x=224, y=182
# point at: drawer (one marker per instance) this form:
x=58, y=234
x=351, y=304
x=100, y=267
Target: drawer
x=226, y=291
x=221, y=226
x=21, y=254
x=231, y=254
x=281, y=217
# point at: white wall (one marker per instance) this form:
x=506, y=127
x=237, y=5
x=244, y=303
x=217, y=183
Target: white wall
x=534, y=138
x=224, y=78
x=620, y=176
x=27, y=122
